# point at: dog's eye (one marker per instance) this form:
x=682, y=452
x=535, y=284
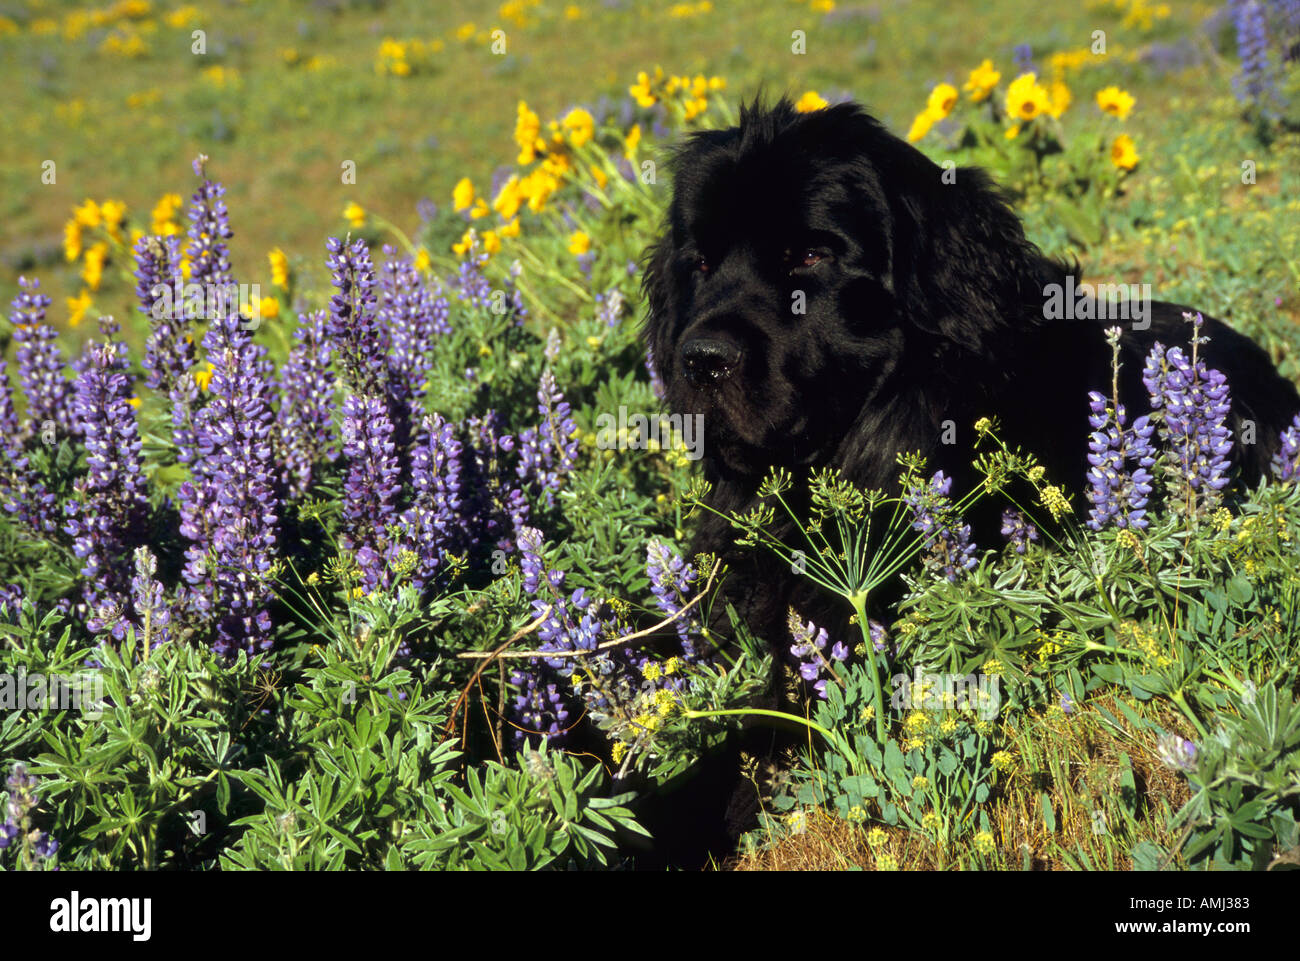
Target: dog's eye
x=805, y=257
x=701, y=265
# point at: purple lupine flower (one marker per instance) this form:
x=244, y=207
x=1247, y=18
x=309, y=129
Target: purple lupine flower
x=1286, y=462
x=152, y=613
x=1194, y=403
x=670, y=582
x=40, y=364
x=1018, y=531
x=809, y=643
x=107, y=517
x=1176, y=752
x=609, y=307
x=518, y=309
x=407, y=310
x=11, y=602
x=1118, y=495
x=169, y=350
x=1256, y=82
x=472, y=285
x=432, y=522
x=20, y=493
x=947, y=541
x=305, y=437
x=36, y=846
x=1023, y=57
x=1067, y=704
x=231, y=508
x=879, y=636
x=360, y=342
x=427, y=210
x=548, y=452
x=492, y=508
x=372, y=487
x=571, y=624
x=208, y=231
x=656, y=382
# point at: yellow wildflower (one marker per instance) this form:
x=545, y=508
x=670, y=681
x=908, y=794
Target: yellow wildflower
x=279, y=267
x=93, y=271
x=810, y=101
x=71, y=241
x=1026, y=97
x=355, y=214
x=77, y=307
x=87, y=215
x=1115, y=102
x=580, y=126
x=528, y=127
x=1060, y=97
x=920, y=126
x=632, y=141
x=269, y=308
x=981, y=82
x=579, y=243
x=1123, y=154
x=942, y=99
x=462, y=195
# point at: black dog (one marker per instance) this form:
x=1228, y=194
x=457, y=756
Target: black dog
x=922, y=303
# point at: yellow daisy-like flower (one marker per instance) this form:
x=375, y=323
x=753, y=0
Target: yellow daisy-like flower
x=580, y=125
x=810, y=101
x=508, y=199
x=528, y=127
x=203, y=378
x=422, y=260
x=462, y=246
x=510, y=228
x=279, y=267
x=269, y=308
x=579, y=243
x=1012, y=132
x=921, y=125
x=1123, y=154
x=355, y=214
x=480, y=209
x=1115, y=102
x=93, y=270
x=632, y=141
x=643, y=90
x=113, y=212
x=1060, y=97
x=491, y=241
x=462, y=195
x=981, y=82
x=162, y=220
x=77, y=307
x=1027, y=98
x=87, y=214
x=942, y=99
x=71, y=241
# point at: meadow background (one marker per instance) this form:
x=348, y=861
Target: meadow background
x=1137, y=169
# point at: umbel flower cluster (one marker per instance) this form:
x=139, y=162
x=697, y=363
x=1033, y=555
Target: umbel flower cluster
x=419, y=493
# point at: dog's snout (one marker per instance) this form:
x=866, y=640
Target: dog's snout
x=709, y=360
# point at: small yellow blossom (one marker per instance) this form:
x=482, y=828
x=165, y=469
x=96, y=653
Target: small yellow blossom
x=1115, y=102
x=579, y=125
x=279, y=267
x=982, y=81
x=942, y=99
x=1123, y=154
x=77, y=307
x=1027, y=98
x=355, y=214
x=921, y=125
x=579, y=243
x=462, y=196
x=811, y=101
x=71, y=241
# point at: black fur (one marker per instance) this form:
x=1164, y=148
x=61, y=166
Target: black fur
x=927, y=306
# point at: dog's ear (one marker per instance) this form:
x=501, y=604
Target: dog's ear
x=658, y=285
x=964, y=268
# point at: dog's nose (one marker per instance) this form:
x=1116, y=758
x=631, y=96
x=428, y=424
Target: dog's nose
x=708, y=361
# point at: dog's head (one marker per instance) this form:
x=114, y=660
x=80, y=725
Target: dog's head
x=806, y=260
